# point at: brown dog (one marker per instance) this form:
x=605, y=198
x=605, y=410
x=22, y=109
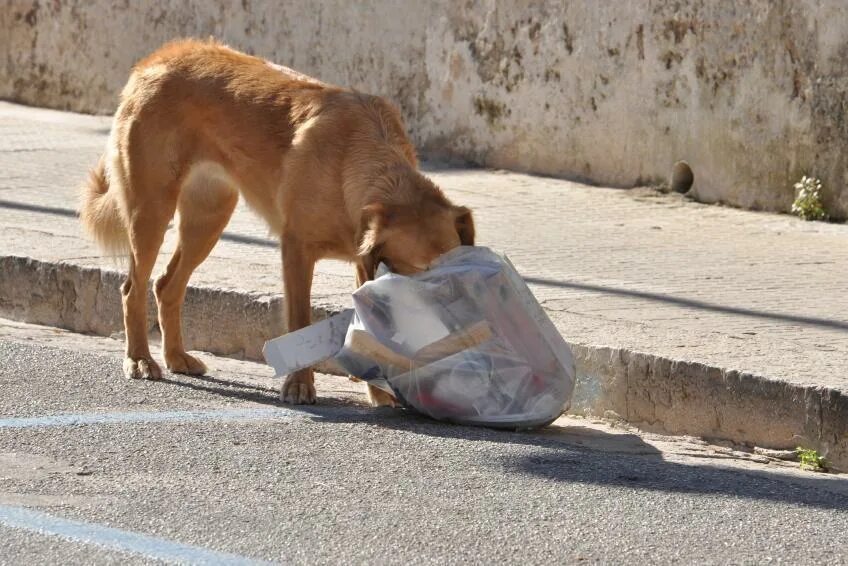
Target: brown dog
x=331, y=171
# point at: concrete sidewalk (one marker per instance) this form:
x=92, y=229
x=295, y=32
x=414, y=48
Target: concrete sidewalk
x=684, y=318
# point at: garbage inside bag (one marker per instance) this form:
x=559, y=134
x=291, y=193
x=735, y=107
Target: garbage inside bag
x=465, y=341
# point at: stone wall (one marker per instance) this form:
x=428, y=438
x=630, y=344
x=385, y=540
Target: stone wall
x=752, y=94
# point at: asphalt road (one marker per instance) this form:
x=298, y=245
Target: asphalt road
x=214, y=470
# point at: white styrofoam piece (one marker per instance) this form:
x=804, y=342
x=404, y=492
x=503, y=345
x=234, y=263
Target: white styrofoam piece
x=308, y=346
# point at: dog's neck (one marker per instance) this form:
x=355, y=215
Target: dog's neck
x=393, y=182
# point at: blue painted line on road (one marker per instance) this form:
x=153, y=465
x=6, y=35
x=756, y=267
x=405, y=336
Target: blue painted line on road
x=258, y=413
x=115, y=539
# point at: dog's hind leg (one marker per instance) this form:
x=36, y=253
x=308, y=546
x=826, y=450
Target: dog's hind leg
x=146, y=232
x=205, y=205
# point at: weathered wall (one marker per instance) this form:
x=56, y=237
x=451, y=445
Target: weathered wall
x=752, y=93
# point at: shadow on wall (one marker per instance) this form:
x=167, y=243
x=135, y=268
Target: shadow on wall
x=69, y=213
x=834, y=324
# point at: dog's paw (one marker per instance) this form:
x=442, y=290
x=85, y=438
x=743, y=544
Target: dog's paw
x=381, y=398
x=142, y=368
x=185, y=363
x=299, y=388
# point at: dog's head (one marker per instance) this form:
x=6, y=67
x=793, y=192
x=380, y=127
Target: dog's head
x=408, y=238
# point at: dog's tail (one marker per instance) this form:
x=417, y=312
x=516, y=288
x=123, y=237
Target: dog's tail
x=100, y=214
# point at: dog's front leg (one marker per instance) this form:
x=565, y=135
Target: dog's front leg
x=377, y=396
x=298, y=268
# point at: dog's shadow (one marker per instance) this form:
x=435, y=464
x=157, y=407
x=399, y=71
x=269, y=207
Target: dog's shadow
x=567, y=454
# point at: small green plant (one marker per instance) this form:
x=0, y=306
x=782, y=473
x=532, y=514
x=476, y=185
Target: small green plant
x=811, y=460
x=808, y=204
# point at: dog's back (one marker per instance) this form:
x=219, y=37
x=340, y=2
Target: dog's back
x=200, y=105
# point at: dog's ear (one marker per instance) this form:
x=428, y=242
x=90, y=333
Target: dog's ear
x=464, y=225
x=368, y=237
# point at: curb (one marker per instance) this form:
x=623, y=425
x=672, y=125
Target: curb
x=653, y=393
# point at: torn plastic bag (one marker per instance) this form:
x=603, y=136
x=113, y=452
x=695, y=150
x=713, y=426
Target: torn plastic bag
x=465, y=341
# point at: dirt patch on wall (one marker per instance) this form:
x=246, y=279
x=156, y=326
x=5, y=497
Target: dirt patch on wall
x=751, y=94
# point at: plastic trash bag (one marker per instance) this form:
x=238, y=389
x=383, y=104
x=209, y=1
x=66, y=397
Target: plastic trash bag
x=465, y=341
